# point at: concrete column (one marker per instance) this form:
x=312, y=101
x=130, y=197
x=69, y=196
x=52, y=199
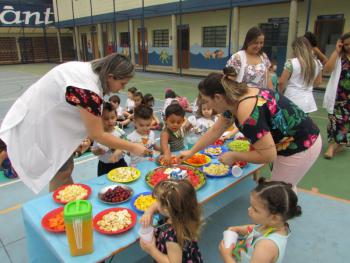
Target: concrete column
x=174, y=41
x=77, y=42
x=235, y=30
x=100, y=40
x=292, y=29
x=18, y=50
x=132, y=41
x=58, y=32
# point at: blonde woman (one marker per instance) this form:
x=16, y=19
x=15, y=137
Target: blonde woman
x=279, y=131
x=300, y=75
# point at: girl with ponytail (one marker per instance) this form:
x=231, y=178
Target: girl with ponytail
x=272, y=204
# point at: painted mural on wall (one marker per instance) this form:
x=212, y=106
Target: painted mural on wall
x=208, y=58
x=162, y=56
x=200, y=57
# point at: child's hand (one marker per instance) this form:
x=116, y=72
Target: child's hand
x=139, y=149
x=226, y=253
x=339, y=46
x=237, y=229
x=97, y=150
x=146, y=219
x=148, y=246
x=242, y=230
x=115, y=157
x=167, y=159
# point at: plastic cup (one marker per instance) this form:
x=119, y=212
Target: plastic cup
x=230, y=237
x=236, y=171
x=146, y=233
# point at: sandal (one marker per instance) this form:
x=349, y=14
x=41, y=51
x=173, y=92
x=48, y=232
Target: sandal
x=330, y=152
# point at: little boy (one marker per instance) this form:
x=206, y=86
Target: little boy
x=109, y=159
x=143, y=116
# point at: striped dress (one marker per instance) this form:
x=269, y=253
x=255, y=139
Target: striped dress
x=176, y=140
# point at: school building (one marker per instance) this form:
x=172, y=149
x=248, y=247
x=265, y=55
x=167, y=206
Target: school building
x=28, y=33
x=178, y=36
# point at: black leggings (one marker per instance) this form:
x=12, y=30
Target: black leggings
x=104, y=168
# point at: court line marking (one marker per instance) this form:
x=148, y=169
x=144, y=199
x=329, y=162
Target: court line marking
x=318, y=117
x=148, y=81
x=324, y=195
x=18, y=79
x=10, y=209
x=8, y=99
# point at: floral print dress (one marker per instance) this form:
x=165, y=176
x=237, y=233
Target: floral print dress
x=338, y=129
x=254, y=75
x=292, y=130
x=86, y=99
x=190, y=251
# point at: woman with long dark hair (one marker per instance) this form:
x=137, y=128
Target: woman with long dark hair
x=337, y=97
x=251, y=63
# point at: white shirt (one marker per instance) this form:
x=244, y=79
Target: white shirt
x=117, y=132
x=201, y=125
x=146, y=140
x=299, y=92
x=120, y=112
x=167, y=102
x=41, y=130
x=129, y=105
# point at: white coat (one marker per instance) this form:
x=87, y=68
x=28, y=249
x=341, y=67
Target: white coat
x=41, y=130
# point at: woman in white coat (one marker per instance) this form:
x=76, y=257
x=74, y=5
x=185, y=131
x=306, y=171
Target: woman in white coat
x=50, y=120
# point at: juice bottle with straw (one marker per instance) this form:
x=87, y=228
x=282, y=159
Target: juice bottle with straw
x=78, y=223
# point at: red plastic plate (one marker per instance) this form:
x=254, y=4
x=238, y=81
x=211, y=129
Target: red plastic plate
x=54, y=195
x=45, y=220
x=99, y=216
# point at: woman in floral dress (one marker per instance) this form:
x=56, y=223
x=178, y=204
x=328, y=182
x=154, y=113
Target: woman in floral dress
x=339, y=115
x=251, y=63
x=279, y=131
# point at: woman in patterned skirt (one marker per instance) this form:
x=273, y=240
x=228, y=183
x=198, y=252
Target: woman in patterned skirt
x=339, y=115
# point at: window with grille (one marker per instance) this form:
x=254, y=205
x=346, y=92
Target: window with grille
x=124, y=39
x=161, y=38
x=214, y=36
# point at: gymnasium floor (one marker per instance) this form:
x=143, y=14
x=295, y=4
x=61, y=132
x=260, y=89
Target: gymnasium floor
x=320, y=235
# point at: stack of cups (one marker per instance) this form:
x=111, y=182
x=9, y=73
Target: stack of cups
x=146, y=233
x=230, y=238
